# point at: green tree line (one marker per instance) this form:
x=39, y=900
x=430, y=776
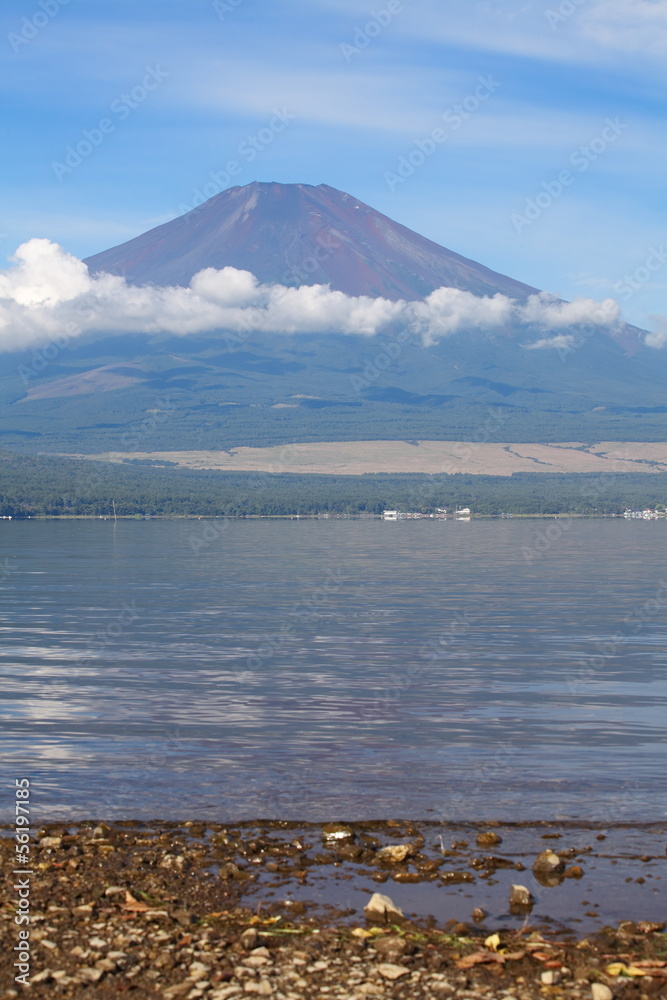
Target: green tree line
x=48, y=486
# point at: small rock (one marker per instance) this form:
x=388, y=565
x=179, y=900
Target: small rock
x=492, y=862
x=180, y=989
x=263, y=988
x=97, y=943
x=337, y=831
x=381, y=908
x=390, y=971
x=173, y=861
x=90, y=974
x=390, y=947
x=249, y=938
x=601, y=992
x=454, y=877
x=240, y=972
x=348, y=851
x=102, y=832
x=520, y=896
x=574, y=871
x=488, y=839
x=548, y=863
x=42, y=977
x=225, y=993
x=479, y=914
x=106, y=965
x=403, y=876
x=198, y=970
x=50, y=842
x=551, y=977
x=395, y=853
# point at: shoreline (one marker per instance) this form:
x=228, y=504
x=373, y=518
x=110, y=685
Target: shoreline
x=276, y=908
x=314, y=517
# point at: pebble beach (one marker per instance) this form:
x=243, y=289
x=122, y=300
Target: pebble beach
x=337, y=911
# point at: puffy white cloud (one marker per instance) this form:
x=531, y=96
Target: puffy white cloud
x=228, y=287
x=658, y=337
x=44, y=276
x=49, y=295
x=448, y=310
x=547, y=311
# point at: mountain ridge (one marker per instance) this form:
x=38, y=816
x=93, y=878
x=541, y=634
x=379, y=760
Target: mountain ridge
x=296, y=234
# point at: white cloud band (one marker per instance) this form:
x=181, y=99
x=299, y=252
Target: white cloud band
x=50, y=294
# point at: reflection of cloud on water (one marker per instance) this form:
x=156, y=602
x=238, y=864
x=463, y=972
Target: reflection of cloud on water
x=156, y=722
x=58, y=653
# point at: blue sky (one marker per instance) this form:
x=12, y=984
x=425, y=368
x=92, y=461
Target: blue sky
x=570, y=90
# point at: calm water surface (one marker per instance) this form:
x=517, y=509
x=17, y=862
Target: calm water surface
x=314, y=670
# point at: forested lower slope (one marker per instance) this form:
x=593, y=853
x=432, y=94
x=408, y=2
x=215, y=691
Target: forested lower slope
x=37, y=485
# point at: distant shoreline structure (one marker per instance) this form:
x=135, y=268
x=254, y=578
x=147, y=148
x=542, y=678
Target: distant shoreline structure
x=408, y=516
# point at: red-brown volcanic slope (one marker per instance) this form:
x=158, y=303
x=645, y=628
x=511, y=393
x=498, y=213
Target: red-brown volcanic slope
x=296, y=234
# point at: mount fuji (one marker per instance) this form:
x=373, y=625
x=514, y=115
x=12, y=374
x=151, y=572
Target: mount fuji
x=102, y=392
x=294, y=234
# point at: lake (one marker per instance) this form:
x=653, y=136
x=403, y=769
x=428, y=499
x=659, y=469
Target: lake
x=444, y=670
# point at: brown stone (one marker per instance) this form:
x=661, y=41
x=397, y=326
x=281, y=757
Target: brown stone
x=488, y=839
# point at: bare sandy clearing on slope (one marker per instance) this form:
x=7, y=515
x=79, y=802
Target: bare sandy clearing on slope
x=97, y=380
x=351, y=458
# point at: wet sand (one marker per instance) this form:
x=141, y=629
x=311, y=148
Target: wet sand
x=277, y=909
